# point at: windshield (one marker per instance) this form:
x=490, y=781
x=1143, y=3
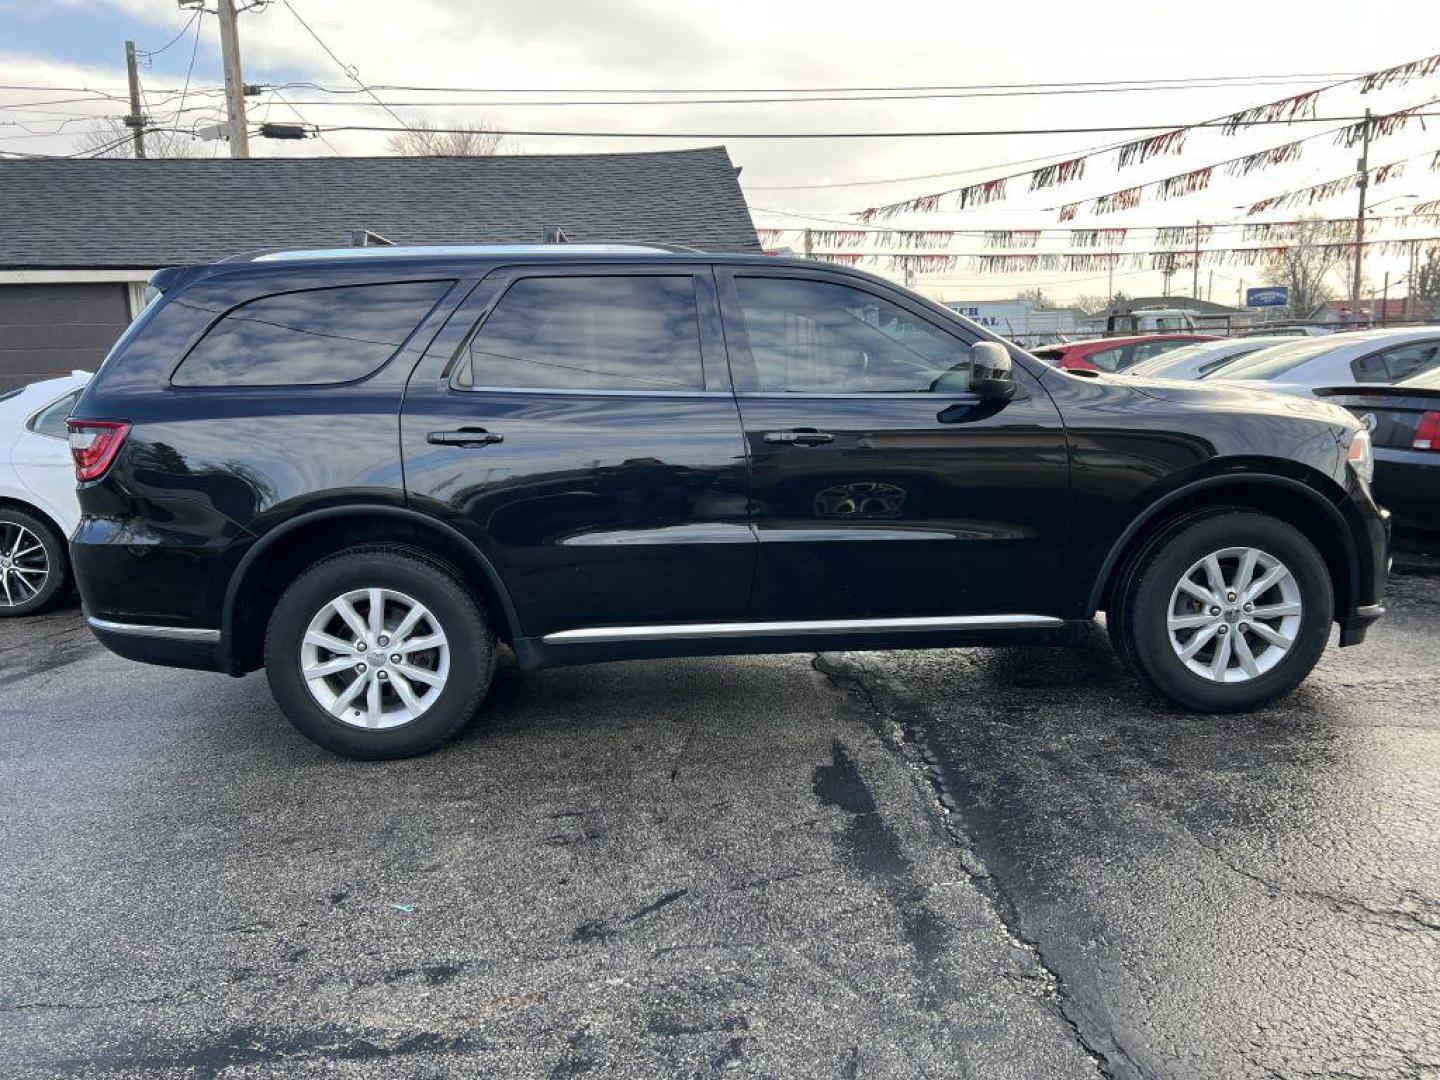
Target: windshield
x=1275, y=361
x=1178, y=358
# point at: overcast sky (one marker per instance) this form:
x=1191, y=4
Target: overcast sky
x=591, y=46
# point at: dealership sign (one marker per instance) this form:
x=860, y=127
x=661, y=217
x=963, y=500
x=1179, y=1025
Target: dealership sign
x=1267, y=296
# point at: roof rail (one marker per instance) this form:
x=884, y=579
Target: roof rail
x=400, y=251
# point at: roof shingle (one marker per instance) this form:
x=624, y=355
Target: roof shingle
x=126, y=213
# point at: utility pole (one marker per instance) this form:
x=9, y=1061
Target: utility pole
x=807, y=242
x=1385, y=298
x=234, y=82
x=1110, y=280
x=1195, y=269
x=1210, y=287
x=136, y=120
x=1364, y=165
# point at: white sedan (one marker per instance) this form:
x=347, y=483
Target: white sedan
x=37, y=493
x=1377, y=357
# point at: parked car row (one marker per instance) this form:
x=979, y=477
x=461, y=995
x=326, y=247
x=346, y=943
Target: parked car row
x=37, y=493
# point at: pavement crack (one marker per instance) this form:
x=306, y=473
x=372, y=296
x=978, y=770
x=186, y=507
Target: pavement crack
x=903, y=725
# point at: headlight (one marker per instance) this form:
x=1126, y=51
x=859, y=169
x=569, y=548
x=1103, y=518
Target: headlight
x=1360, y=457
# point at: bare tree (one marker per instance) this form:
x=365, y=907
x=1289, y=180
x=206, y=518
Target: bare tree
x=1036, y=296
x=108, y=137
x=424, y=139
x=1426, y=288
x=1090, y=303
x=1304, y=266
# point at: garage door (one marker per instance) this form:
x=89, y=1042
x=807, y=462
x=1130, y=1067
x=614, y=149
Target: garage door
x=48, y=330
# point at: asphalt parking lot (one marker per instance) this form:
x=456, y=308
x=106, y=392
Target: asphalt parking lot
x=984, y=863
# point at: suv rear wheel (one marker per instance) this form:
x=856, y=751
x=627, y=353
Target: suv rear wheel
x=1225, y=612
x=34, y=566
x=378, y=652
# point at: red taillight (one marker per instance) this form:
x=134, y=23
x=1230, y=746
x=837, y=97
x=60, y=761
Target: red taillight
x=94, y=444
x=1427, y=434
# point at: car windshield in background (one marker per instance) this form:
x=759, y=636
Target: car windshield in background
x=1275, y=361
x=1158, y=366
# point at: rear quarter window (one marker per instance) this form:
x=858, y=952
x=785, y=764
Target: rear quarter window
x=310, y=337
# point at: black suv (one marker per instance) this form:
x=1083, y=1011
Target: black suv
x=361, y=469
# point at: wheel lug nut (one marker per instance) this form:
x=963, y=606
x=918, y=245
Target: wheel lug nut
x=360, y=668
x=383, y=641
x=395, y=658
x=1243, y=627
x=1214, y=611
x=359, y=646
x=1230, y=596
x=381, y=675
x=1224, y=630
x=1249, y=608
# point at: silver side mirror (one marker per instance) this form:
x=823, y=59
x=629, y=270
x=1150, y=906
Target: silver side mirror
x=991, y=372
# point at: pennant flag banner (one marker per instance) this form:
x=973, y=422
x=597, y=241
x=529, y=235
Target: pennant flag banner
x=770, y=237
x=838, y=237
x=1380, y=126
x=1068, y=211
x=1060, y=173
x=1173, y=187
x=923, y=264
x=1012, y=238
x=843, y=258
x=1330, y=230
x=1392, y=171
x=1263, y=159
x=1306, y=196
x=1118, y=200
x=1183, y=236
x=916, y=238
x=1095, y=238
x=921, y=204
x=980, y=194
x=1142, y=150
x=1431, y=207
x=1435, y=161
x=1291, y=108
x=1401, y=74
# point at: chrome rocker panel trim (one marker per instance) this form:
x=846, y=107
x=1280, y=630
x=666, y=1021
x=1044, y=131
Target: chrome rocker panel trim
x=704, y=631
x=171, y=633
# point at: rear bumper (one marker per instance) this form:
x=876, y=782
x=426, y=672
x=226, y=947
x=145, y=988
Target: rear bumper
x=170, y=646
x=1407, y=483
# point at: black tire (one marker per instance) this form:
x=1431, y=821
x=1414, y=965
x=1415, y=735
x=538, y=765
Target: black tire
x=1143, y=598
x=56, y=564
x=451, y=605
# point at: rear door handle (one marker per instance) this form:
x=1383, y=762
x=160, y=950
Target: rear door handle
x=800, y=436
x=464, y=437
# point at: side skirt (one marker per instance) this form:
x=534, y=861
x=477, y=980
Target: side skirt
x=604, y=644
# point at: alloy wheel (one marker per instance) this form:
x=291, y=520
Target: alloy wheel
x=24, y=565
x=1234, y=614
x=375, y=658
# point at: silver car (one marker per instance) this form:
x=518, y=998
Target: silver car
x=1376, y=357
x=1202, y=358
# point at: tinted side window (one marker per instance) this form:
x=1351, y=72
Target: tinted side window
x=606, y=332
x=315, y=336
x=1398, y=363
x=51, y=419
x=820, y=337
x=1108, y=359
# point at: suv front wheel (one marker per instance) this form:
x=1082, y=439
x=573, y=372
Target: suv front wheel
x=1225, y=612
x=378, y=653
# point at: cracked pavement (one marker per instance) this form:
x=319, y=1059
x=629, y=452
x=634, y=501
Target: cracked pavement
x=989, y=863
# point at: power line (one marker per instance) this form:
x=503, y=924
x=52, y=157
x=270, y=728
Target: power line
x=798, y=100
x=941, y=87
x=194, y=51
x=938, y=134
x=156, y=52
x=349, y=69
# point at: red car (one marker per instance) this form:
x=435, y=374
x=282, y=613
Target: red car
x=1115, y=353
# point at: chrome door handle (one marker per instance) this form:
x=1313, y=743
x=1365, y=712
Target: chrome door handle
x=464, y=437
x=799, y=437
